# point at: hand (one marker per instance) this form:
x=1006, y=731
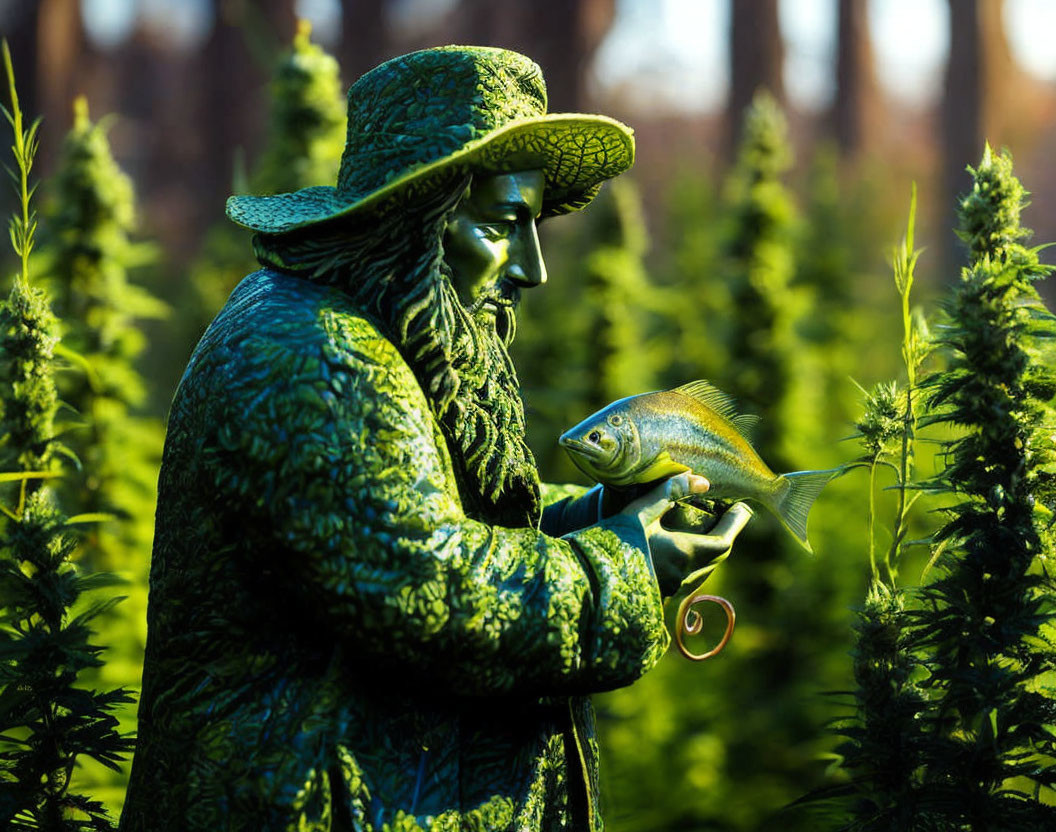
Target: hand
x=680, y=556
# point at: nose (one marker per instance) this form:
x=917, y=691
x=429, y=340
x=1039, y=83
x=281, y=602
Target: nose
x=525, y=266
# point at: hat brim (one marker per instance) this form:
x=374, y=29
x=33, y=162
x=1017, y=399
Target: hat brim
x=576, y=152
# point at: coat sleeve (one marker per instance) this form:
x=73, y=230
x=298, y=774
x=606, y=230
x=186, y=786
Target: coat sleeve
x=337, y=466
x=568, y=508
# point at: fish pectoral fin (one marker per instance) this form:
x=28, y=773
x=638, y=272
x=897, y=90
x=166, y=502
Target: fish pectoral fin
x=662, y=466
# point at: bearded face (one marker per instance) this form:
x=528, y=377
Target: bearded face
x=491, y=253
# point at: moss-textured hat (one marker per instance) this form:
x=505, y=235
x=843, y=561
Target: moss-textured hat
x=418, y=114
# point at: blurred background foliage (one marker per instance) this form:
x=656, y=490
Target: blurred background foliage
x=751, y=245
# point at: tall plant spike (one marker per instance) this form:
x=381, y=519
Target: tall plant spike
x=23, y=225
x=87, y=227
x=47, y=722
x=884, y=742
x=987, y=615
x=759, y=268
x=306, y=135
x=27, y=327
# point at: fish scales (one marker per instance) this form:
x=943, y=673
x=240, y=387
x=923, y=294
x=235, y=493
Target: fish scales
x=647, y=437
x=701, y=439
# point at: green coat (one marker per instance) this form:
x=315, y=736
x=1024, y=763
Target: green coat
x=333, y=643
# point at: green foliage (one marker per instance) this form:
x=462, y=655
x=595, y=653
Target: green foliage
x=618, y=296
x=27, y=390
x=953, y=708
x=307, y=131
x=27, y=327
x=89, y=256
x=306, y=136
x=588, y=337
x=758, y=266
x=884, y=747
x=989, y=214
x=985, y=625
x=88, y=227
x=23, y=224
x=836, y=273
x=694, y=302
x=46, y=722
x=883, y=740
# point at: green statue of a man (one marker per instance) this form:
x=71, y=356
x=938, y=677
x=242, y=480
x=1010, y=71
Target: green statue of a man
x=366, y=612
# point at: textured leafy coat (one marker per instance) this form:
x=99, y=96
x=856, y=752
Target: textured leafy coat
x=333, y=643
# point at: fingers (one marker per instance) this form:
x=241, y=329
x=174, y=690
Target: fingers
x=731, y=523
x=650, y=507
x=700, y=554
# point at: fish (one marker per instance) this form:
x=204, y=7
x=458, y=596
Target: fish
x=695, y=427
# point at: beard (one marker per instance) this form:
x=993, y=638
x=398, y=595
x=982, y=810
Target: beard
x=484, y=423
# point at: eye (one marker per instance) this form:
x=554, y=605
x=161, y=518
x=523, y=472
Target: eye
x=594, y=436
x=615, y=420
x=498, y=230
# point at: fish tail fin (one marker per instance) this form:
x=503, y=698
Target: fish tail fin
x=793, y=506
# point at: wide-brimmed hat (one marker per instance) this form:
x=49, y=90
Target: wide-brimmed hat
x=419, y=114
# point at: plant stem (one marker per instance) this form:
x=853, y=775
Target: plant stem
x=21, y=159
x=904, y=265
x=872, y=520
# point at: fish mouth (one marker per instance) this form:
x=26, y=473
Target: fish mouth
x=566, y=441
x=570, y=443
x=586, y=457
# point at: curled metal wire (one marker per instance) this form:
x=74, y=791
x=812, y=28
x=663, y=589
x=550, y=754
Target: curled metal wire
x=690, y=622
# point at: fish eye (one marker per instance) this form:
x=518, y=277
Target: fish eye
x=615, y=420
x=594, y=436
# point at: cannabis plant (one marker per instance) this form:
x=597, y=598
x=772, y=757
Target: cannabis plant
x=883, y=741
x=46, y=721
x=986, y=627
x=89, y=254
x=756, y=268
x=306, y=135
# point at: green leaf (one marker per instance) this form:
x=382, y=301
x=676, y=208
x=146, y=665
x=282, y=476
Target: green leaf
x=90, y=517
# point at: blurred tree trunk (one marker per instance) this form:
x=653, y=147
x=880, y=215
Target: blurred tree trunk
x=232, y=78
x=757, y=55
x=281, y=17
x=365, y=41
x=856, y=104
x=62, y=50
x=979, y=72
x=562, y=40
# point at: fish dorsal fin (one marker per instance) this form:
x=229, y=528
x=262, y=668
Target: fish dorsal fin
x=709, y=396
x=722, y=403
x=745, y=424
